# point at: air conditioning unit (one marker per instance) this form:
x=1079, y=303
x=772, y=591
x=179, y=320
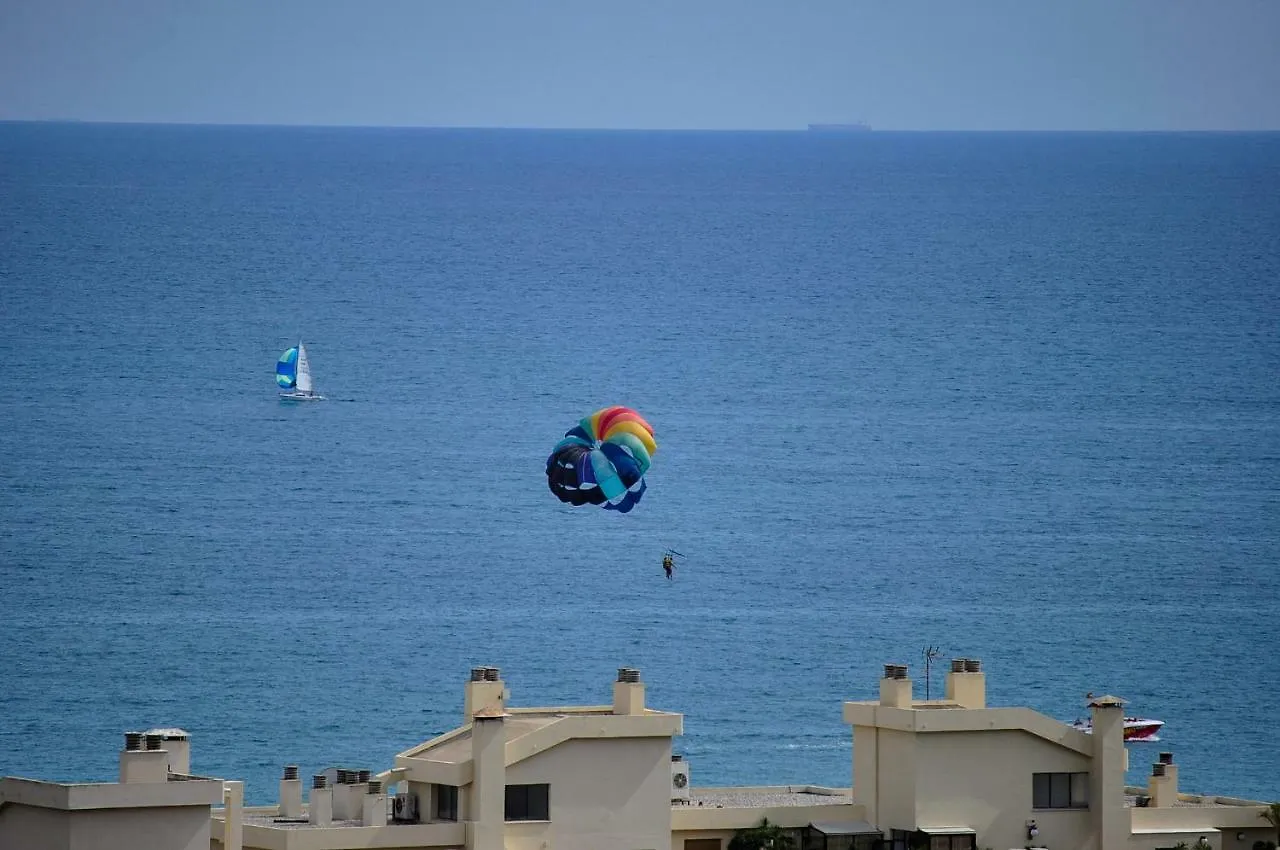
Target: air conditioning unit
x=405, y=808
x=679, y=780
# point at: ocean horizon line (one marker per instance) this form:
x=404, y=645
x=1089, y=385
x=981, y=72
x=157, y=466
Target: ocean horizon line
x=519, y=128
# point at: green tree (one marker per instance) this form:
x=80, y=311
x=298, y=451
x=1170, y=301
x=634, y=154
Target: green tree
x=765, y=836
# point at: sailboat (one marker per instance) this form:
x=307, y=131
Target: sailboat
x=293, y=373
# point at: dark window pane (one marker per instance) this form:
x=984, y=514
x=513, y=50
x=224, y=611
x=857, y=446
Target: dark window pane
x=517, y=801
x=1060, y=790
x=539, y=802
x=527, y=802
x=1040, y=791
x=446, y=802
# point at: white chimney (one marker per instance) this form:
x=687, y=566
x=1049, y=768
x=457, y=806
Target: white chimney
x=142, y=760
x=375, y=805
x=485, y=689
x=895, y=687
x=628, y=692
x=290, y=793
x=321, y=809
x=178, y=744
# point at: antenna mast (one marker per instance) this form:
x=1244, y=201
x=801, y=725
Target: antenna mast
x=930, y=653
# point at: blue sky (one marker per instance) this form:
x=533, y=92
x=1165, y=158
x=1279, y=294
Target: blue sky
x=680, y=64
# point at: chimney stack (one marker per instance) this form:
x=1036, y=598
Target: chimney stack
x=966, y=683
x=374, y=811
x=1162, y=785
x=628, y=692
x=341, y=793
x=488, y=783
x=346, y=797
x=485, y=689
x=321, y=810
x=290, y=793
x=1107, y=814
x=177, y=742
x=358, y=789
x=895, y=687
x=142, y=760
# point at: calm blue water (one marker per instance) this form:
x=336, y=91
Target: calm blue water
x=1013, y=395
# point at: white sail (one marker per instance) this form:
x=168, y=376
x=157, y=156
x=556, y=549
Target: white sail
x=304, y=370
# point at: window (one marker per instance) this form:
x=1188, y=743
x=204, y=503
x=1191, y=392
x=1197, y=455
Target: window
x=446, y=802
x=702, y=844
x=1060, y=790
x=528, y=802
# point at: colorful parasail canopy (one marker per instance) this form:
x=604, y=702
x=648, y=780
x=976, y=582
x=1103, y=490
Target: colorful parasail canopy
x=287, y=369
x=602, y=460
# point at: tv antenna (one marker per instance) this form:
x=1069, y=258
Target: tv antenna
x=930, y=653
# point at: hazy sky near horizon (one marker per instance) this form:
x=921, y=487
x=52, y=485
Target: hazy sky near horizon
x=680, y=64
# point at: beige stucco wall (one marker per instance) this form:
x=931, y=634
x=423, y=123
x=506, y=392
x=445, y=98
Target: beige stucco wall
x=605, y=793
x=33, y=828
x=982, y=779
x=171, y=828
x=174, y=828
x=886, y=763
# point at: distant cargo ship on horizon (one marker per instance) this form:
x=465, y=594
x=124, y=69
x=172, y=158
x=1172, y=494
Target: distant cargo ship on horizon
x=855, y=127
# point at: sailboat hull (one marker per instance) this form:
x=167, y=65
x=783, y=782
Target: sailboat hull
x=299, y=396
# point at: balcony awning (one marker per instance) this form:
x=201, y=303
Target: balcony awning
x=846, y=827
x=948, y=830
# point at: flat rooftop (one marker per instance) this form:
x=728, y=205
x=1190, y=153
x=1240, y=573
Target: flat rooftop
x=758, y=798
x=276, y=822
x=1191, y=801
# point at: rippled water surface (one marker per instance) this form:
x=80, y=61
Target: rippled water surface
x=1012, y=395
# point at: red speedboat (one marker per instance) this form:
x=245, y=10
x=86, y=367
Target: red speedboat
x=1135, y=728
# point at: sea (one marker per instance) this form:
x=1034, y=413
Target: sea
x=1004, y=396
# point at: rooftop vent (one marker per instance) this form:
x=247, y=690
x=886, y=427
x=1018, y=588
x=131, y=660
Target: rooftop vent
x=972, y=665
x=492, y=674
x=153, y=742
x=341, y=778
x=895, y=671
x=957, y=665
x=133, y=740
x=1166, y=758
x=318, y=780
x=628, y=674
x=477, y=674
x=1157, y=769
x=290, y=771
x=353, y=776
x=675, y=757
x=364, y=776
x=375, y=786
